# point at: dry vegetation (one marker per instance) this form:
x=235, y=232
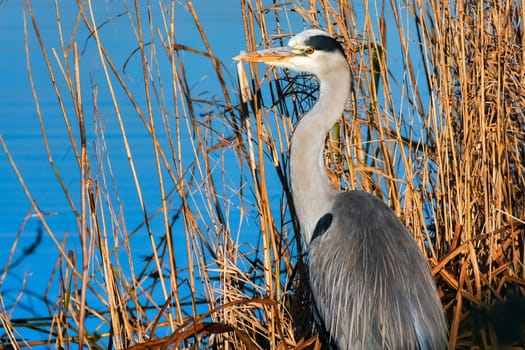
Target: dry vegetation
x=442, y=141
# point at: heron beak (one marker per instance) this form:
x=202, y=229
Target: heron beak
x=277, y=55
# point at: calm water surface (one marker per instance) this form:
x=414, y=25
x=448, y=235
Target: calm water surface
x=21, y=131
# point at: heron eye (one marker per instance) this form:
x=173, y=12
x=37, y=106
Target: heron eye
x=309, y=50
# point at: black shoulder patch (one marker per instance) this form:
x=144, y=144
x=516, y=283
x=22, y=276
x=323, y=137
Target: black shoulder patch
x=322, y=226
x=324, y=43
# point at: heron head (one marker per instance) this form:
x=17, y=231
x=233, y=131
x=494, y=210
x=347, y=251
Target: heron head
x=312, y=51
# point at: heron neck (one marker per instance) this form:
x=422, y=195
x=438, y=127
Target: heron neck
x=312, y=191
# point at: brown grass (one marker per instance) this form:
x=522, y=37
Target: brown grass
x=442, y=142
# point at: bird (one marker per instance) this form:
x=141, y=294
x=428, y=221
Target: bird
x=370, y=282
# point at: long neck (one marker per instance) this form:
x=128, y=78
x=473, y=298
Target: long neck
x=312, y=191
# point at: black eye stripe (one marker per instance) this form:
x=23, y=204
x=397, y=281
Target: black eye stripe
x=324, y=43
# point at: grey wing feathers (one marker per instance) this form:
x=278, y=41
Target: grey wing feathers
x=373, y=287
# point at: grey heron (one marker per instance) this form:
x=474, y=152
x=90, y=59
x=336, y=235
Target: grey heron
x=370, y=281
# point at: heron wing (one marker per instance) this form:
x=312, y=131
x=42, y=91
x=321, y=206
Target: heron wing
x=371, y=284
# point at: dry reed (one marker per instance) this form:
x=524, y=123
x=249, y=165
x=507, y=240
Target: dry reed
x=442, y=142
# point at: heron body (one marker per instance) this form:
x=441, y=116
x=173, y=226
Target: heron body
x=371, y=284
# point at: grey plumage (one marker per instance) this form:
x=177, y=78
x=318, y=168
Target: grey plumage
x=368, y=262
x=371, y=284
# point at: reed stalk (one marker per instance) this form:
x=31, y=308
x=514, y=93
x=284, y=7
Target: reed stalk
x=435, y=128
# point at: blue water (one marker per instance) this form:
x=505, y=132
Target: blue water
x=20, y=128
x=35, y=257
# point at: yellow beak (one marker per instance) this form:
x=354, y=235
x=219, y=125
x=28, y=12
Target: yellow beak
x=268, y=56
